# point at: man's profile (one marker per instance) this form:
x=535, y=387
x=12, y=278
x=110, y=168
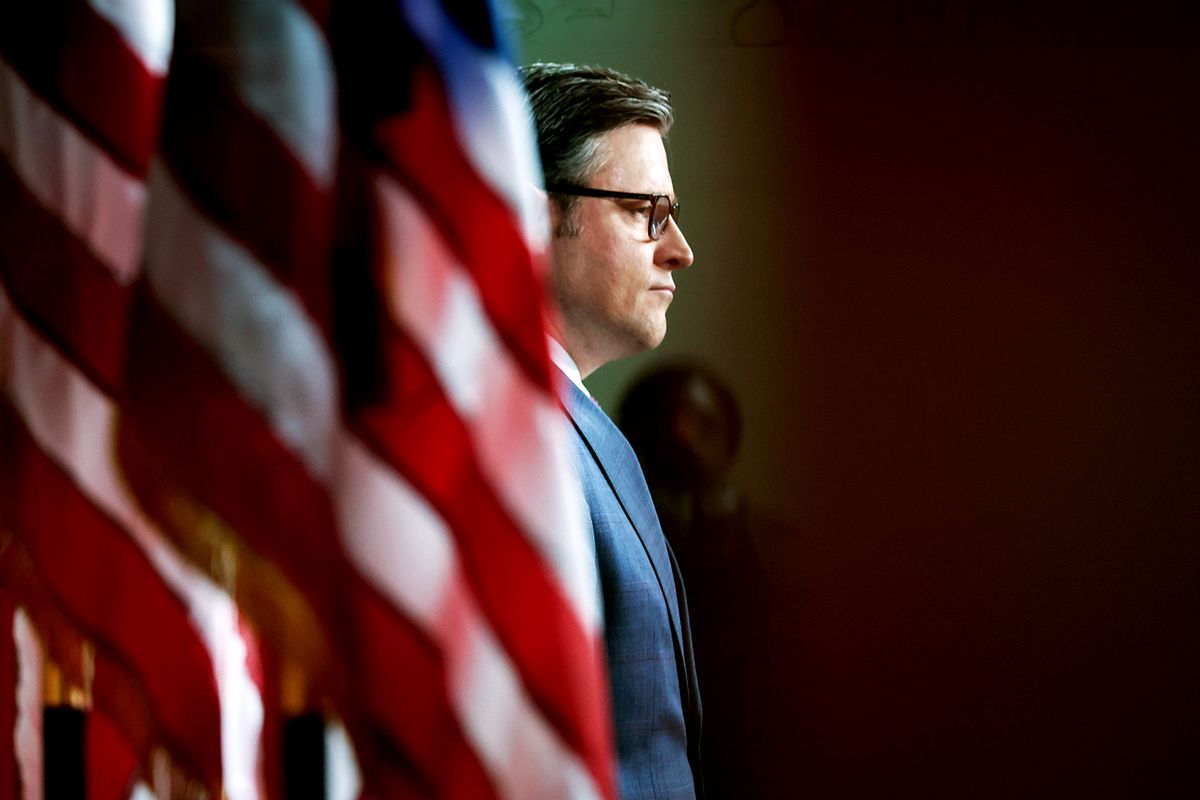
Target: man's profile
x=616, y=246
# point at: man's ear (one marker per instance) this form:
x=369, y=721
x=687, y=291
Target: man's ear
x=563, y=221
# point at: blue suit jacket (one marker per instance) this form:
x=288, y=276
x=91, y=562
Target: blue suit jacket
x=656, y=702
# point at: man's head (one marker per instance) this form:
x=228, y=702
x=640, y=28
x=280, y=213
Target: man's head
x=610, y=266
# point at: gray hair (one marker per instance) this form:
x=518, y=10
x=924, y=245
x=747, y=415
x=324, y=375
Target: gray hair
x=573, y=106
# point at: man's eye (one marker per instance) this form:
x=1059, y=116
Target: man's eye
x=644, y=210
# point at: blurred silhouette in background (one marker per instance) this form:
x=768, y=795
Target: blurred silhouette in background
x=685, y=425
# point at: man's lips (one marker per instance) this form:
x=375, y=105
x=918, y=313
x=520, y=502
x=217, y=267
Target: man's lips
x=668, y=289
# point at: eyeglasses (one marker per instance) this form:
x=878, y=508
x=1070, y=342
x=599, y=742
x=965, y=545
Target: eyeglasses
x=661, y=206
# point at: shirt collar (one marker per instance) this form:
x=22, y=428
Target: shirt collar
x=562, y=359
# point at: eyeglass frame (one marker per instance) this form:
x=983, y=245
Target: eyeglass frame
x=654, y=232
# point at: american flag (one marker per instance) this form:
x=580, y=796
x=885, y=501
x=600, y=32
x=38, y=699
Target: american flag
x=278, y=430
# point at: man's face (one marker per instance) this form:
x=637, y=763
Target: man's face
x=612, y=282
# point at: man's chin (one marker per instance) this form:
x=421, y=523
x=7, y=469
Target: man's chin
x=641, y=339
x=656, y=338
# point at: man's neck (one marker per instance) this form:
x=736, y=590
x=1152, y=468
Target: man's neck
x=584, y=357
x=577, y=354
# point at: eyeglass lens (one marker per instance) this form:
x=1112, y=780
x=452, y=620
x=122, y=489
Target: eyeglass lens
x=658, y=216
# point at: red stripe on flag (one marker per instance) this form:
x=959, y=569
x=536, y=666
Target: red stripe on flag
x=109, y=588
x=109, y=763
x=415, y=429
x=117, y=696
x=60, y=285
x=81, y=64
x=406, y=688
x=424, y=155
x=192, y=420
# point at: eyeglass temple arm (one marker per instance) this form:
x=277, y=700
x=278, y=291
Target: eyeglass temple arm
x=587, y=191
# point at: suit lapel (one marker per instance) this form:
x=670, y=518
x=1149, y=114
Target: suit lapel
x=621, y=469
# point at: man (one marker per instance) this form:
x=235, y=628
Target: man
x=616, y=247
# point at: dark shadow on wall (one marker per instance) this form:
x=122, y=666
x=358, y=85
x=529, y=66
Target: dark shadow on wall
x=741, y=568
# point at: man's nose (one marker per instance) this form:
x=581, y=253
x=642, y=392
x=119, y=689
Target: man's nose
x=673, y=249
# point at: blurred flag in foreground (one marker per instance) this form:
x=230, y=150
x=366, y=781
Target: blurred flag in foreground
x=278, y=432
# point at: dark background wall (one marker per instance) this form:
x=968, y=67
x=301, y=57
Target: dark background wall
x=946, y=255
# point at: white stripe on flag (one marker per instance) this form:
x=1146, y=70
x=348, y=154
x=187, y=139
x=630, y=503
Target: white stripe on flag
x=147, y=26
x=522, y=753
x=97, y=200
x=279, y=63
x=27, y=736
x=343, y=779
x=396, y=540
